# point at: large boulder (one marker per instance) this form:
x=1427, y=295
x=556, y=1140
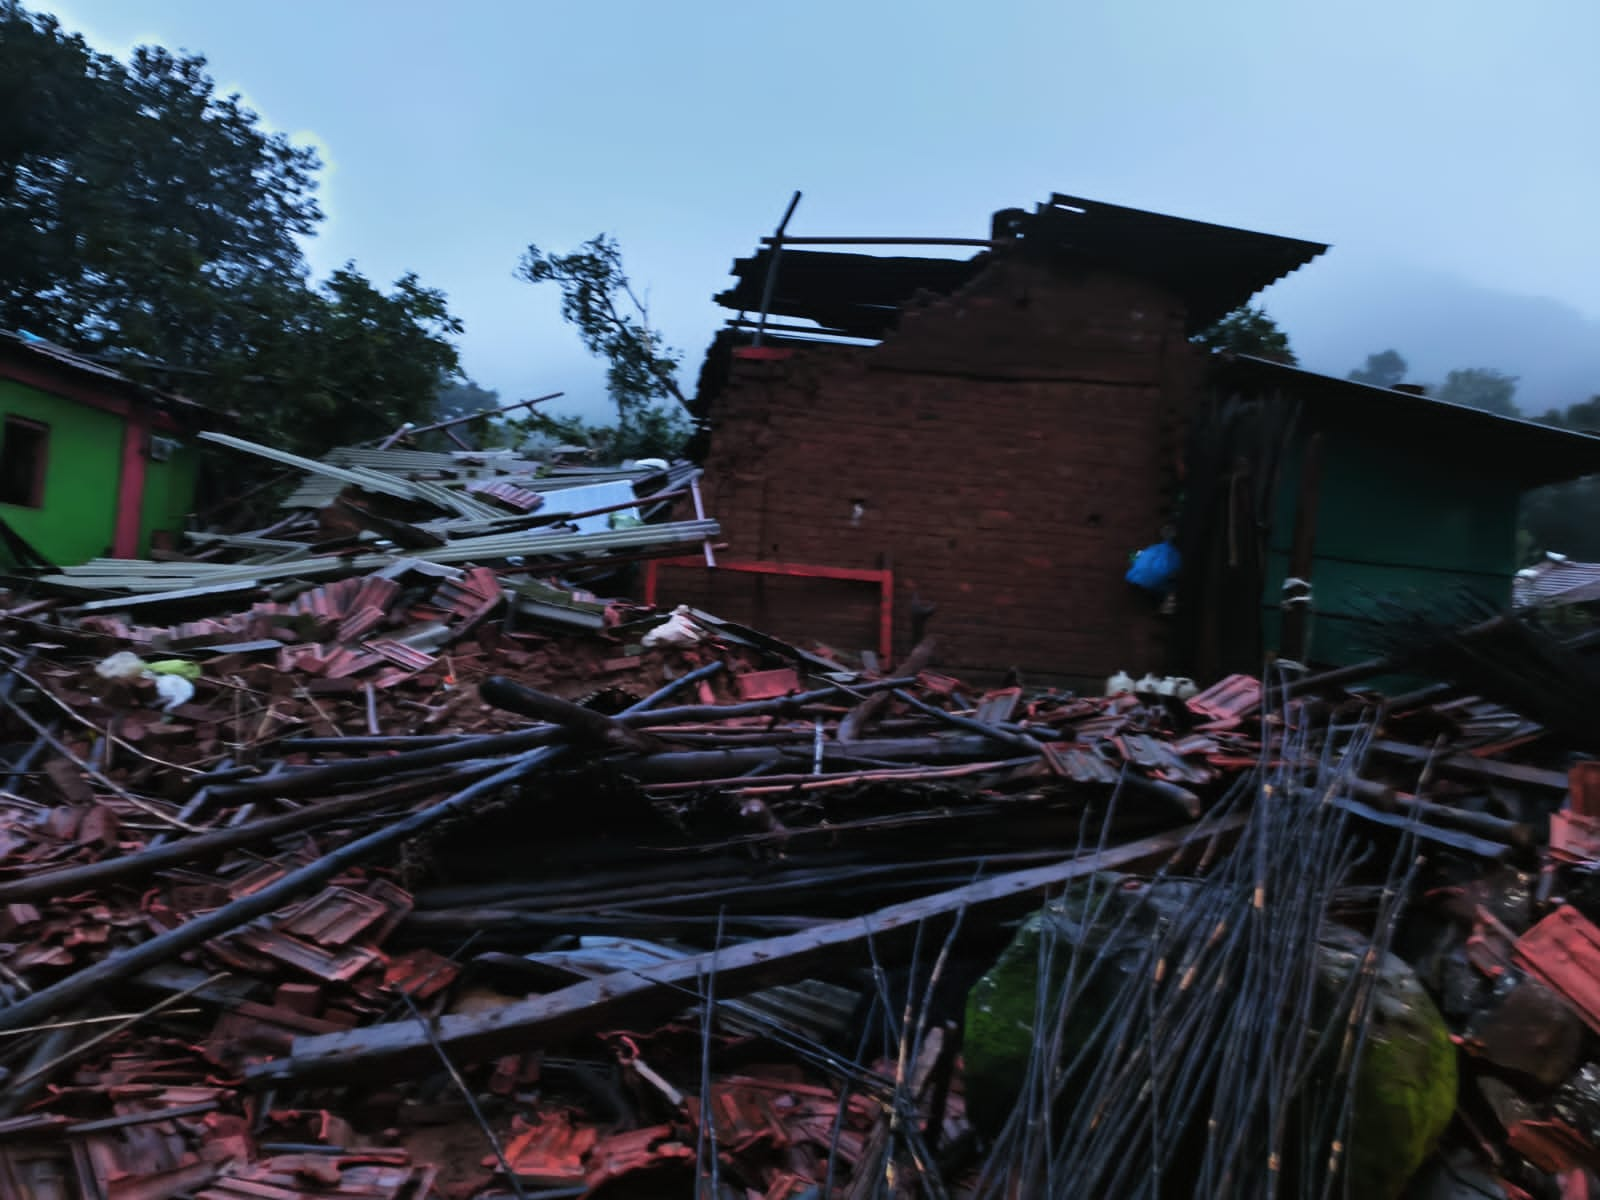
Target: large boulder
x=1405, y=1089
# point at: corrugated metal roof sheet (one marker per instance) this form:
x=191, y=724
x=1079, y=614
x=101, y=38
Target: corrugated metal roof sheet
x=1526, y=451
x=20, y=349
x=1213, y=268
x=1556, y=582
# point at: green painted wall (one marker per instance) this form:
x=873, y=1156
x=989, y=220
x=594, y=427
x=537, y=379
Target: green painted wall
x=1391, y=522
x=79, y=515
x=78, y=519
x=168, y=494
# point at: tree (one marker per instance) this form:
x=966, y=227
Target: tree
x=458, y=399
x=1565, y=517
x=1479, y=387
x=1248, y=331
x=614, y=324
x=149, y=221
x=657, y=432
x=1583, y=416
x=139, y=196
x=1384, y=369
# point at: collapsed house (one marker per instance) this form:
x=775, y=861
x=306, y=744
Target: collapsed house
x=393, y=850
x=417, y=884
x=994, y=437
x=91, y=462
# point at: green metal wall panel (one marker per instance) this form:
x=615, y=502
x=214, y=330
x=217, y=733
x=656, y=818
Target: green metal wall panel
x=168, y=494
x=1391, y=522
x=78, y=518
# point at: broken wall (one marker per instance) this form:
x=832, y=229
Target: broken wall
x=1004, y=451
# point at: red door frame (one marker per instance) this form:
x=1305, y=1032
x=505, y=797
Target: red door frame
x=130, y=488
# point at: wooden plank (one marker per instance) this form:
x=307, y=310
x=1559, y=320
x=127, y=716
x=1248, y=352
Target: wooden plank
x=397, y=1050
x=1469, y=766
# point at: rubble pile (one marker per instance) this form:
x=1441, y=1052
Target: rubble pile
x=535, y=858
x=368, y=871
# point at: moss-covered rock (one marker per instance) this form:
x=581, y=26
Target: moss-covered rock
x=1405, y=1090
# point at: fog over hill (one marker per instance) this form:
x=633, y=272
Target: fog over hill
x=1343, y=307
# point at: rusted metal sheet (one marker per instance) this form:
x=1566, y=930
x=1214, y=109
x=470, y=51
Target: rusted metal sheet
x=509, y=494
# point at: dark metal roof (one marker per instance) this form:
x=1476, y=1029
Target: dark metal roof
x=34, y=352
x=858, y=295
x=1212, y=268
x=1534, y=454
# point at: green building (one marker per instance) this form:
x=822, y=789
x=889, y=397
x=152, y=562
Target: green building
x=1311, y=499
x=91, y=463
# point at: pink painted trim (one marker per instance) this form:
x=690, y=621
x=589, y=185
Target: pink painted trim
x=130, y=491
x=48, y=381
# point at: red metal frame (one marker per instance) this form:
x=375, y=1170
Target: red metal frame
x=883, y=578
x=40, y=467
x=130, y=490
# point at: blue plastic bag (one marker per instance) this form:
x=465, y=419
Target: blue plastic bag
x=1155, y=567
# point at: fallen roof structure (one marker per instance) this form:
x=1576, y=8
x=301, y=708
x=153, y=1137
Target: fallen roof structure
x=522, y=906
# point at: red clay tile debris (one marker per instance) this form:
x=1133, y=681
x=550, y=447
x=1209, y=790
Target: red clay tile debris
x=344, y=838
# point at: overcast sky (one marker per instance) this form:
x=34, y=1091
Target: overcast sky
x=1445, y=147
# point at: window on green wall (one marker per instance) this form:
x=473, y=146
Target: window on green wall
x=24, y=449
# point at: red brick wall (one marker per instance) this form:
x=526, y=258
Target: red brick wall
x=1009, y=446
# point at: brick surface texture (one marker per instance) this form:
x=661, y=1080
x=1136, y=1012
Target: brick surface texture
x=1003, y=450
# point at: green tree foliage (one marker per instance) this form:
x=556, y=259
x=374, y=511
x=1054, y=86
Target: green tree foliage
x=1480, y=387
x=656, y=432
x=1583, y=417
x=458, y=399
x=1248, y=331
x=614, y=324
x=1565, y=517
x=148, y=220
x=1384, y=369
x=343, y=362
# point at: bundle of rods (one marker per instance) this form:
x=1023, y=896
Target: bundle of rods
x=1222, y=1068
x=1465, y=642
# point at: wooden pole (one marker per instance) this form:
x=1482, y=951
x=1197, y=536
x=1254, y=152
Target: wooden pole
x=1293, y=641
x=634, y=999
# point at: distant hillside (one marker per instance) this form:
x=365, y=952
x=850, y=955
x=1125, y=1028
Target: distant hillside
x=1341, y=308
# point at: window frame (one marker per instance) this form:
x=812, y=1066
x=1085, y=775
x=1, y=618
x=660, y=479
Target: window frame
x=41, y=467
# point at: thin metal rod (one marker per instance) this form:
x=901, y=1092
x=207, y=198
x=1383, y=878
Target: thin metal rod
x=700, y=515
x=406, y=431
x=771, y=283
x=874, y=241
x=45, y=1070
x=79, y=1024
x=466, y=1094
x=109, y=784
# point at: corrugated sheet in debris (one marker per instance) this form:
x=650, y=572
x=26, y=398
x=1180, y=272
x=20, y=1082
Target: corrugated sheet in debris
x=1556, y=583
